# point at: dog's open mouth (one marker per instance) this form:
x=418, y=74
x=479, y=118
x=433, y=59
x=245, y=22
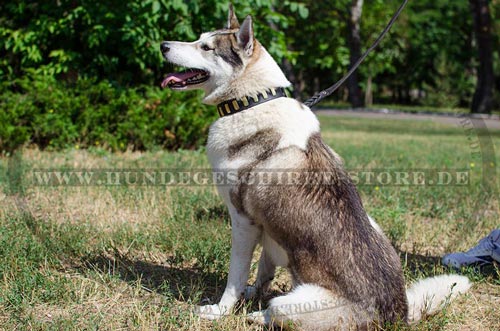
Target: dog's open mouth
x=180, y=80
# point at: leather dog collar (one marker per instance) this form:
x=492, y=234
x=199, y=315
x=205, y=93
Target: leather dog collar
x=234, y=106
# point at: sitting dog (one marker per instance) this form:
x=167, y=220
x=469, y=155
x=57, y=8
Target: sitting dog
x=345, y=272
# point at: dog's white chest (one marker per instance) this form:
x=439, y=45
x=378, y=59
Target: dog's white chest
x=290, y=123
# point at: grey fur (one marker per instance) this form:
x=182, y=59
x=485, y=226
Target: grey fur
x=226, y=47
x=325, y=230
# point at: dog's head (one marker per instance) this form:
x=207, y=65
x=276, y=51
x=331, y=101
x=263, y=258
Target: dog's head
x=217, y=60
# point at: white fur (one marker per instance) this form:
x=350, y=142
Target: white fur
x=375, y=225
x=276, y=253
x=263, y=73
x=244, y=238
x=295, y=123
x=272, y=256
x=311, y=307
x=429, y=295
x=292, y=120
x=191, y=55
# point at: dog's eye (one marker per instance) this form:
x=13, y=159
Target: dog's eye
x=206, y=48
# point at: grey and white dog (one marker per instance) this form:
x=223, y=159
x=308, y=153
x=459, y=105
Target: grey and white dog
x=345, y=272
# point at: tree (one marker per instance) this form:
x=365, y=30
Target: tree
x=354, y=42
x=482, y=101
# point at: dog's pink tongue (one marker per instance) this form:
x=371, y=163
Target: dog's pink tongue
x=177, y=77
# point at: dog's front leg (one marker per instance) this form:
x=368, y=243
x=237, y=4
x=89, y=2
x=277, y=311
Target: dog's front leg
x=244, y=237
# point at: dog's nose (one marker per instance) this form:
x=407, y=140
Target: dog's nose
x=164, y=47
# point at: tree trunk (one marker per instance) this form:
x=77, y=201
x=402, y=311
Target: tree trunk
x=354, y=42
x=369, y=92
x=301, y=83
x=316, y=84
x=482, y=101
x=290, y=74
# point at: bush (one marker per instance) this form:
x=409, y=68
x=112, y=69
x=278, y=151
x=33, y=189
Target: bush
x=40, y=110
x=116, y=40
x=98, y=50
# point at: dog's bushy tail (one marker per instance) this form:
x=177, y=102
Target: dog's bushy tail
x=315, y=308
x=430, y=295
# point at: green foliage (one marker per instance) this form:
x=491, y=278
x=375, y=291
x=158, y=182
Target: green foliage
x=81, y=72
x=430, y=49
x=40, y=110
x=116, y=40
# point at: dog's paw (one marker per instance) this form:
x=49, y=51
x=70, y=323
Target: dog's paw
x=211, y=312
x=251, y=292
x=261, y=317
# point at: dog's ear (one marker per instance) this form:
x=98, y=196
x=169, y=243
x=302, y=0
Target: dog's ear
x=232, y=20
x=245, y=36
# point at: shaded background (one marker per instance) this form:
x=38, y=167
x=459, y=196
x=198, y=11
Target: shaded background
x=78, y=73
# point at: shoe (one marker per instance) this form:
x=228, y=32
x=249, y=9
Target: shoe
x=485, y=252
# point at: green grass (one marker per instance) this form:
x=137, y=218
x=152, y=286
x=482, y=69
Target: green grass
x=404, y=108
x=139, y=258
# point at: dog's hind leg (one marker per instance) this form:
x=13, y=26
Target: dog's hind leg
x=265, y=275
x=272, y=256
x=244, y=238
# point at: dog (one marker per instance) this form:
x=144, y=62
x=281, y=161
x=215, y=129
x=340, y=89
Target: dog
x=345, y=272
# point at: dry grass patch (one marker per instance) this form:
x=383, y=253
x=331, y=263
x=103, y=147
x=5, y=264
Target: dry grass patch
x=100, y=207
x=140, y=258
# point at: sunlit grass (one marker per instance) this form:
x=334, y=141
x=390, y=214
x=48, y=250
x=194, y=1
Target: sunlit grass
x=139, y=258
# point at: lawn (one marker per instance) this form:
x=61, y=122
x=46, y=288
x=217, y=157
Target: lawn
x=443, y=110
x=138, y=257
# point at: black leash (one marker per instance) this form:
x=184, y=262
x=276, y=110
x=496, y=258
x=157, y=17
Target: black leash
x=323, y=94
